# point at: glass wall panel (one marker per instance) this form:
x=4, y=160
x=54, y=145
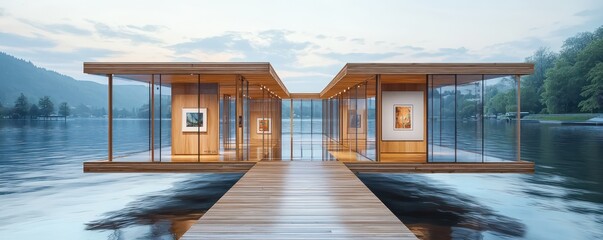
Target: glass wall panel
x=443, y=118
x=246, y=125
x=361, y=117
x=432, y=123
x=371, y=106
x=354, y=119
x=332, y=143
x=500, y=107
x=162, y=119
x=336, y=122
x=286, y=143
x=305, y=139
x=255, y=116
x=278, y=133
x=296, y=121
x=316, y=117
x=345, y=108
x=227, y=132
x=229, y=121
x=132, y=117
x=469, y=118
x=472, y=118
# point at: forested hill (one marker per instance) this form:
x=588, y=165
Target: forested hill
x=19, y=76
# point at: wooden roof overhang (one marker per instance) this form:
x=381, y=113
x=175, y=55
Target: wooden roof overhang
x=354, y=73
x=305, y=96
x=260, y=74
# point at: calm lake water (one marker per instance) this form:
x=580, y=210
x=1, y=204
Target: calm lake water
x=44, y=194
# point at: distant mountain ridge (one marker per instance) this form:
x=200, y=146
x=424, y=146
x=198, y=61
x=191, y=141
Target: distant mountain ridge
x=19, y=76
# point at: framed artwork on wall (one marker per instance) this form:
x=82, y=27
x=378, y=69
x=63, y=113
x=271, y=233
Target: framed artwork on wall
x=194, y=120
x=403, y=117
x=355, y=119
x=264, y=125
x=355, y=123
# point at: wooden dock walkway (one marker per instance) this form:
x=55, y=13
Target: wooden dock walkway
x=299, y=200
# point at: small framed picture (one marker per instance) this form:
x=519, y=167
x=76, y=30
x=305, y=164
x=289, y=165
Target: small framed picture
x=264, y=125
x=355, y=119
x=194, y=120
x=403, y=117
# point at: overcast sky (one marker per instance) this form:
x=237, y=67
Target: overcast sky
x=306, y=41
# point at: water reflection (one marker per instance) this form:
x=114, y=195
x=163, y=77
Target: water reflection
x=169, y=212
x=438, y=212
x=562, y=200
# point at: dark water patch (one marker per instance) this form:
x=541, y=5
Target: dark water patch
x=169, y=212
x=438, y=212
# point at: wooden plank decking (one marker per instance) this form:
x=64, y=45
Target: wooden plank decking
x=299, y=200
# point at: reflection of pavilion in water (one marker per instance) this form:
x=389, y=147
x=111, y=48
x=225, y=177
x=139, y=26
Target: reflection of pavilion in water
x=369, y=113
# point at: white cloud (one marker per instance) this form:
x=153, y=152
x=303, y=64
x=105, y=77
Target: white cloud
x=288, y=73
x=303, y=40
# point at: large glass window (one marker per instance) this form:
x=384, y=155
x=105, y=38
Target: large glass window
x=350, y=123
x=302, y=129
x=472, y=118
x=371, y=127
x=132, y=124
x=500, y=125
x=469, y=118
x=442, y=121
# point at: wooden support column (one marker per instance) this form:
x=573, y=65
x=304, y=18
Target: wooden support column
x=110, y=116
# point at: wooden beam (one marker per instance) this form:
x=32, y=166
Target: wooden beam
x=305, y=95
x=440, y=68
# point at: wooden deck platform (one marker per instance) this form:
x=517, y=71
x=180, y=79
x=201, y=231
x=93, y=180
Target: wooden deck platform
x=167, y=167
x=461, y=167
x=299, y=200
x=356, y=167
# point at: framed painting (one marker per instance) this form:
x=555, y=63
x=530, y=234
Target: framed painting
x=264, y=125
x=403, y=117
x=194, y=120
x=354, y=119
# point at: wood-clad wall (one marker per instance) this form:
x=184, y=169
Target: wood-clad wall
x=185, y=96
x=404, y=151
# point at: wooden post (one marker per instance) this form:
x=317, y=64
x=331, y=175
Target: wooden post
x=110, y=116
